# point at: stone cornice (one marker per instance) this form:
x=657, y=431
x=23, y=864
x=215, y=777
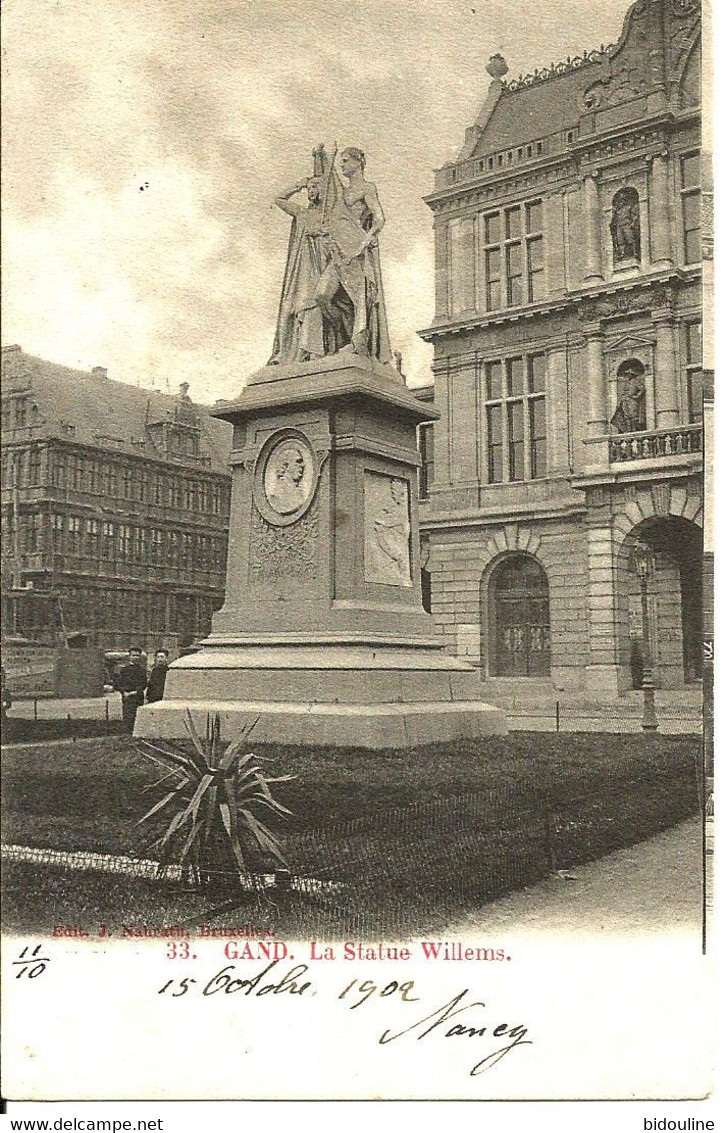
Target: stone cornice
x=507, y=513
x=612, y=295
x=633, y=139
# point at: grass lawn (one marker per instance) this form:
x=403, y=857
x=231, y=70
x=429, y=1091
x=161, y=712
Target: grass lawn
x=432, y=828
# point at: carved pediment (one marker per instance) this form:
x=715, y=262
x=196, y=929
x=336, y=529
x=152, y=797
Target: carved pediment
x=630, y=345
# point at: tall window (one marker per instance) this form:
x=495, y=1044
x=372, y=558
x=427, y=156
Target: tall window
x=690, y=194
x=515, y=393
x=512, y=256
x=107, y=547
x=425, y=472
x=534, y=252
x=139, y=544
x=58, y=528
x=492, y=260
x=693, y=362
x=34, y=465
x=60, y=470
x=21, y=412
x=157, y=544
x=34, y=531
x=125, y=535
x=74, y=535
x=93, y=529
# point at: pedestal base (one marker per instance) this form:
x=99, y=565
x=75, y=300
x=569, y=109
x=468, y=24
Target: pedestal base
x=312, y=695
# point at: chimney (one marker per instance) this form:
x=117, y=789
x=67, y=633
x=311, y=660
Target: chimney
x=99, y=372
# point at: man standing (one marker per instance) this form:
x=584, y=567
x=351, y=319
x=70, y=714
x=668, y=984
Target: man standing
x=131, y=683
x=157, y=677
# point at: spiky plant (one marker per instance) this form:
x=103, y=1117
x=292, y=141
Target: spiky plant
x=211, y=792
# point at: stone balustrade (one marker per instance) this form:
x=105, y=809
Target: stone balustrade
x=658, y=442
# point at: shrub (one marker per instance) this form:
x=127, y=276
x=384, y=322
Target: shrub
x=211, y=797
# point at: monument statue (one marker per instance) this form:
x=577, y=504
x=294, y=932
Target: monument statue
x=332, y=293
x=323, y=638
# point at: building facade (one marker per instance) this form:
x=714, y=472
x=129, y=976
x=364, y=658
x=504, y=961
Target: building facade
x=568, y=368
x=115, y=499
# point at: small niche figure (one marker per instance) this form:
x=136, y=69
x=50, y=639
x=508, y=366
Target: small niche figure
x=630, y=415
x=625, y=227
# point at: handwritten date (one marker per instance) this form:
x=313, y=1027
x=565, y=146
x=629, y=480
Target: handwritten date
x=460, y=1017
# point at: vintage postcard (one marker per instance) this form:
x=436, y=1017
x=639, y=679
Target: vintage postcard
x=358, y=551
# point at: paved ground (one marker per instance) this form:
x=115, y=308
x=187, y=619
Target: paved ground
x=677, y=714
x=654, y=886
x=88, y=708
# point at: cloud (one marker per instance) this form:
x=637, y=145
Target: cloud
x=144, y=144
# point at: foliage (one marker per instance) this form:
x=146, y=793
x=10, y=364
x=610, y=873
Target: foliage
x=211, y=802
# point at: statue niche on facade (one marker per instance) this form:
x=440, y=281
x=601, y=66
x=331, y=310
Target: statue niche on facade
x=630, y=415
x=332, y=293
x=625, y=227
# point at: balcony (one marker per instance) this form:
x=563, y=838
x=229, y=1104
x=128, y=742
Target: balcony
x=680, y=441
x=676, y=451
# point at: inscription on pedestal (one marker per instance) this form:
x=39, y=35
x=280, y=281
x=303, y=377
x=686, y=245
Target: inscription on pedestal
x=387, y=530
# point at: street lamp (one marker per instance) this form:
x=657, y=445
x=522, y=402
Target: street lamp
x=644, y=565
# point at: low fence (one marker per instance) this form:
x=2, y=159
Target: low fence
x=409, y=870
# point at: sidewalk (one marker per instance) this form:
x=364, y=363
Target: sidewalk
x=676, y=715
x=655, y=886
x=86, y=708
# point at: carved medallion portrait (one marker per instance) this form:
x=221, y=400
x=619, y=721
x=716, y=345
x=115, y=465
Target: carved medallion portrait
x=286, y=476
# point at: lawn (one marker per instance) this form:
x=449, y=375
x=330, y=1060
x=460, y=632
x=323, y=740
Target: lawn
x=434, y=828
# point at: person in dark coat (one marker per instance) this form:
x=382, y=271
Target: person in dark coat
x=131, y=683
x=157, y=677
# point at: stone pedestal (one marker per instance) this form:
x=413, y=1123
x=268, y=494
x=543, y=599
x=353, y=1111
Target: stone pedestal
x=322, y=636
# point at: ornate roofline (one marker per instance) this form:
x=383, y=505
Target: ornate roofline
x=565, y=67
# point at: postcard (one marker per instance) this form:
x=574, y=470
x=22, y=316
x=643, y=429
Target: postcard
x=358, y=544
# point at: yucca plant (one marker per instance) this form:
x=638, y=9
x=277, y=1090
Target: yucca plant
x=212, y=796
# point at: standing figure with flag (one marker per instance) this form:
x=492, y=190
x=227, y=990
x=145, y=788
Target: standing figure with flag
x=354, y=218
x=308, y=328
x=332, y=295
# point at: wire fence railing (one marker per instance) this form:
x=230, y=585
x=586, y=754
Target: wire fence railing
x=395, y=872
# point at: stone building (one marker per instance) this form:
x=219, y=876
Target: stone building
x=568, y=368
x=114, y=498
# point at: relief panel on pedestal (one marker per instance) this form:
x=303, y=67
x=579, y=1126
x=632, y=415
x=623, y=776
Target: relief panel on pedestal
x=387, y=530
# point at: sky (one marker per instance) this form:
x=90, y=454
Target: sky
x=144, y=140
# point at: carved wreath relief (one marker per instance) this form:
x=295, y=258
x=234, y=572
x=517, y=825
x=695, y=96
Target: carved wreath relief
x=387, y=530
x=281, y=553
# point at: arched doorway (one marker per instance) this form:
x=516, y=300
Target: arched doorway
x=674, y=603
x=519, y=626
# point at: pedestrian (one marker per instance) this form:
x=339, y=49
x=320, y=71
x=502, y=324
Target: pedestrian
x=6, y=696
x=157, y=677
x=131, y=682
